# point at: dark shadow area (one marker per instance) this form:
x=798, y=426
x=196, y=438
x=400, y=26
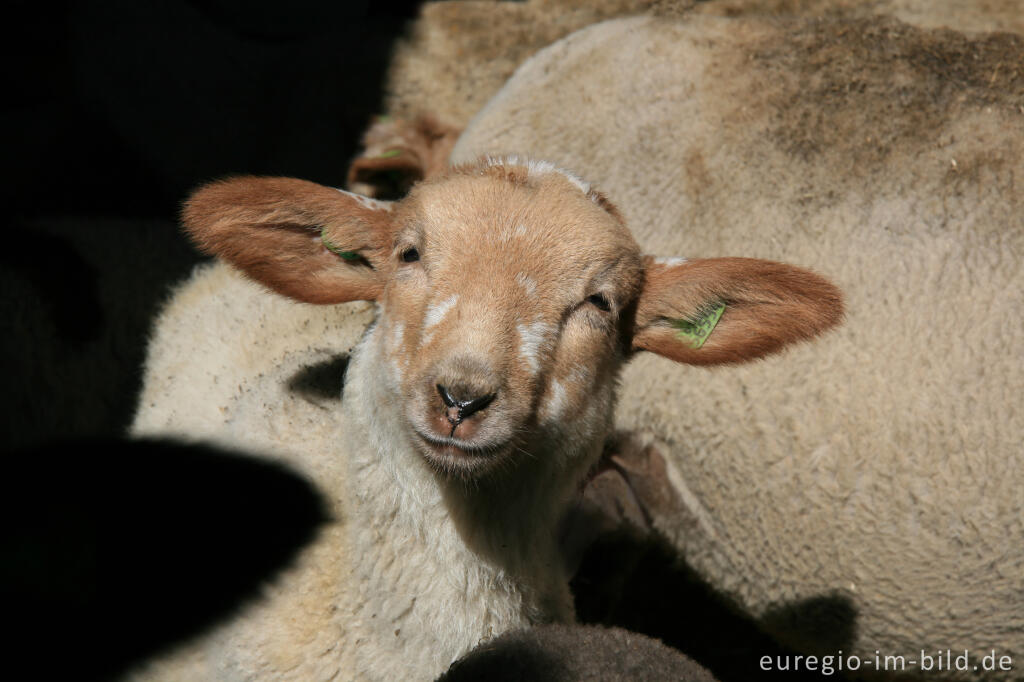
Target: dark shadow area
x=121, y=107
x=819, y=625
x=115, y=110
x=113, y=549
x=63, y=283
x=642, y=585
x=77, y=300
x=322, y=382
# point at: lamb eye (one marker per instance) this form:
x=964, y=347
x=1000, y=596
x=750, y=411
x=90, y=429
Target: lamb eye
x=410, y=255
x=599, y=301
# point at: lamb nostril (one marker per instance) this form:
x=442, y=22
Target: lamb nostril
x=464, y=408
x=475, y=405
x=449, y=401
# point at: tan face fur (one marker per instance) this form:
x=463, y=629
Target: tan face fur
x=505, y=306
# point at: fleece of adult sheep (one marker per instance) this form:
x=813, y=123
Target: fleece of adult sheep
x=882, y=473
x=509, y=294
x=453, y=60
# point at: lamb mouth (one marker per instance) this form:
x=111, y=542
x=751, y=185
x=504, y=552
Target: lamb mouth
x=458, y=457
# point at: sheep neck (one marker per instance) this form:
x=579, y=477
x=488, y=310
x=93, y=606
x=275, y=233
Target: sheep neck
x=499, y=532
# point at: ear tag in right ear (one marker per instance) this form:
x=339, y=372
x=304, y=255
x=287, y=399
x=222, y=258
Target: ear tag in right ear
x=347, y=255
x=696, y=331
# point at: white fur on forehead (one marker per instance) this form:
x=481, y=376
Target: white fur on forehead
x=537, y=169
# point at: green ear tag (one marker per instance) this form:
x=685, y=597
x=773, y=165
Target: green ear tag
x=698, y=330
x=347, y=255
x=389, y=154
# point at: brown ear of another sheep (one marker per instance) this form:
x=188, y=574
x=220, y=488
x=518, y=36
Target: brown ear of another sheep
x=398, y=153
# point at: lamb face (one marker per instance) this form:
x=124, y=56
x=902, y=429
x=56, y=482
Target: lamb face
x=510, y=295
x=503, y=321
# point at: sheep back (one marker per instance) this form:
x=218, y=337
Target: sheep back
x=458, y=54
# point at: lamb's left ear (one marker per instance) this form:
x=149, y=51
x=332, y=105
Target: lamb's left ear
x=306, y=241
x=725, y=310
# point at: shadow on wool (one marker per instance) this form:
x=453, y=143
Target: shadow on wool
x=114, y=549
x=643, y=585
x=321, y=382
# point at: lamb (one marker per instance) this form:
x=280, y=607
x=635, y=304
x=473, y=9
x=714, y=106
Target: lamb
x=886, y=477
x=509, y=294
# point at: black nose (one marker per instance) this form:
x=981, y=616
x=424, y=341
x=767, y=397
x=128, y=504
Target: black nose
x=463, y=405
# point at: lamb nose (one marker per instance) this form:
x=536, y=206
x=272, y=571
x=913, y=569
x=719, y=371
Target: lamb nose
x=463, y=407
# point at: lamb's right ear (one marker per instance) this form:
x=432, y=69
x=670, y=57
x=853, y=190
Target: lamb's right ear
x=306, y=241
x=712, y=311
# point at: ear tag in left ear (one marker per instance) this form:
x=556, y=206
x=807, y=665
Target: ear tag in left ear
x=347, y=255
x=697, y=330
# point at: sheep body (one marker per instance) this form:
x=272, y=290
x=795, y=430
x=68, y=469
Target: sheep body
x=886, y=470
x=241, y=334
x=455, y=60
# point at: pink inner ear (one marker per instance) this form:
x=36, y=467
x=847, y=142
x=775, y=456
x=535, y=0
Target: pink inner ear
x=768, y=305
x=267, y=227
